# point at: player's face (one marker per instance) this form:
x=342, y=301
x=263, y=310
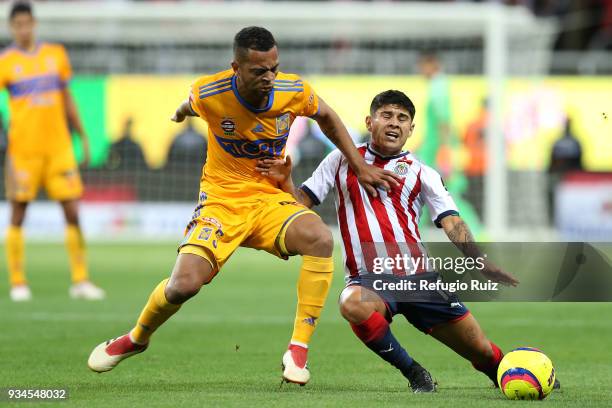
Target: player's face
x=22, y=28
x=390, y=126
x=257, y=71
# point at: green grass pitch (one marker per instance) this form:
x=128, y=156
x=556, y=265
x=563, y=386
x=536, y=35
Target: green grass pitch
x=223, y=348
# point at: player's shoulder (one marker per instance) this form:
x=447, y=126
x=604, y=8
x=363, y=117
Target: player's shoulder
x=214, y=84
x=427, y=174
x=55, y=48
x=285, y=82
x=8, y=52
x=335, y=156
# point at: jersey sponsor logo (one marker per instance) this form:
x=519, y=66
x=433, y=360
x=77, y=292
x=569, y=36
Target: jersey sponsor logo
x=228, y=125
x=253, y=149
x=258, y=129
x=283, y=124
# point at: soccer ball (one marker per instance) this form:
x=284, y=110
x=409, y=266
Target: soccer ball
x=526, y=373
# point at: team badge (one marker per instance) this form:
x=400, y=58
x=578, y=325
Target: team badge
x=228, y=125
x=401, y=168
x=51, y=64
x=282, y=124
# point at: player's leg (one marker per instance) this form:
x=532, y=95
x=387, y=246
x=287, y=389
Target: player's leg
x=23, y=175
x=15, y=253
x=206, y=247
x=190, y=273
x=365, y=311
x=467, y=339
x=308, y=236
x=82, y=287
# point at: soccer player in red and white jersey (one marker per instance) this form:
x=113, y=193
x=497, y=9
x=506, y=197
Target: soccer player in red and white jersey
x=392, y=219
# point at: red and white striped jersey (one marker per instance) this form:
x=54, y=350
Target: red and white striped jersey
x=383, y=226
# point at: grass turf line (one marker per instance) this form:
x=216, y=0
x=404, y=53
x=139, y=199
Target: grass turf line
x=224, y=347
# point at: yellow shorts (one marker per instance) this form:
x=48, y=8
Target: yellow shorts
x=218, y=228
x=58, y=173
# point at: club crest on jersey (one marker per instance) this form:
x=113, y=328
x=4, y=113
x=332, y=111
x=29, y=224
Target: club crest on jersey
x=401, y=168
x=51, y=64
x=282, y=124
x=228, y=125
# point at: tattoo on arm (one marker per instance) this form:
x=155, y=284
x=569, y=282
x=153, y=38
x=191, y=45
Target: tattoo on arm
x=462, y=237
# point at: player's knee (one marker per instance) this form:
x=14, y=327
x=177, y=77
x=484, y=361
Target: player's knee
x=318, y=240
x=181, y=288
x=353, y=309
x=18, y=211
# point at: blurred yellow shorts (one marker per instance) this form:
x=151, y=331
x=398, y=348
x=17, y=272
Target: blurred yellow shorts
x=58, y=173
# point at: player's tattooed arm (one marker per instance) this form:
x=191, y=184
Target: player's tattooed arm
x=183, y=111
x=459, y=234
x=279, y=170
x=369, y=176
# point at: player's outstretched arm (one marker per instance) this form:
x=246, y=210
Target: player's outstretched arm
x=183, y=111
x=72, y=113
x=370, y=177
x=459, y=233
x=279, y=170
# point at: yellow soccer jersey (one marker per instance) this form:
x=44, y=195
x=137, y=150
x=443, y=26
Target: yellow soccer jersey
x=239, y=134
x=35, y=81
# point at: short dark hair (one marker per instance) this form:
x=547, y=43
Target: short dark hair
x=253, y=38
x=429, y=56
x=20, y=7
x=392, y=97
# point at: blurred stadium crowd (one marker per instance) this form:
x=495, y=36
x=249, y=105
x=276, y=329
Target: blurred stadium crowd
x=585, y=24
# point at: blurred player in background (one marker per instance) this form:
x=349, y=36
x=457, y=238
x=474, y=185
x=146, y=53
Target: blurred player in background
x=441, y=146
x=392, y=219
x=40, y=150
x=249, y=110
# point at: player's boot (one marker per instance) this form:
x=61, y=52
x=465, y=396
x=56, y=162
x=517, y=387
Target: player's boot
x=420, y=379
x=110, y=353
x=295, y=369
x=21, y=293
x=86, y=290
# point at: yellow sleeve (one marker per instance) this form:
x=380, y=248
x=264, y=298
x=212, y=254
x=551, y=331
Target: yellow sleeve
x=309, y=101
x=3, y=74
x=195, y=102
x=65, y=69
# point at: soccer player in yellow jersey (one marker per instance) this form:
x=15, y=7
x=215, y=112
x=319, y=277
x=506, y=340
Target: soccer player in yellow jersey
x=40, y=148
x=249, y=110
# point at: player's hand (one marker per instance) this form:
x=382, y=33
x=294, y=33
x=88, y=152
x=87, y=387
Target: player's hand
x=178, y=117
x=372, y=177
x=277, y=169
x=494, y=273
